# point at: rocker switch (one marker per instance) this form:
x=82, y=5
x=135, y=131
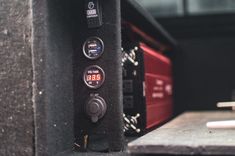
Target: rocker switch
x=93, y=13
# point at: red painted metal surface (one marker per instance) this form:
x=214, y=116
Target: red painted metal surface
x=158, y=86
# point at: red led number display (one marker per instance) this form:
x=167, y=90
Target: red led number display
x=93, y=77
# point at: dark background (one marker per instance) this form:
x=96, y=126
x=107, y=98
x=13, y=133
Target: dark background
x=204, y=64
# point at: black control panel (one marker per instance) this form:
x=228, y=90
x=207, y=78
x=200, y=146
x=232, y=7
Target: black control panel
x=97, y=76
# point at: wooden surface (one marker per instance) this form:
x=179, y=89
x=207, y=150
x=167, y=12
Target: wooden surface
x=188, y=134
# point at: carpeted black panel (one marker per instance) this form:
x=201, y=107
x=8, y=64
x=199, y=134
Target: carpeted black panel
x=16, y=107
x=52, y=61
x=109, y=128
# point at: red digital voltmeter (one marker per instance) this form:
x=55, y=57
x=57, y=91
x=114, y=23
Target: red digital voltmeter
x=94, y=76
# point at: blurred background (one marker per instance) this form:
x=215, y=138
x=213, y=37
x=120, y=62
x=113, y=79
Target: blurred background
x=205, y=31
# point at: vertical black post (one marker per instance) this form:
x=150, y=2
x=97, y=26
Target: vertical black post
x=52, y=76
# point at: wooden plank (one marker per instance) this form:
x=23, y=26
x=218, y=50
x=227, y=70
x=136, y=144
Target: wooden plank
x=188, y=134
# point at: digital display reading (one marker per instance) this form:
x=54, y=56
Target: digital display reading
x=94, y=76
